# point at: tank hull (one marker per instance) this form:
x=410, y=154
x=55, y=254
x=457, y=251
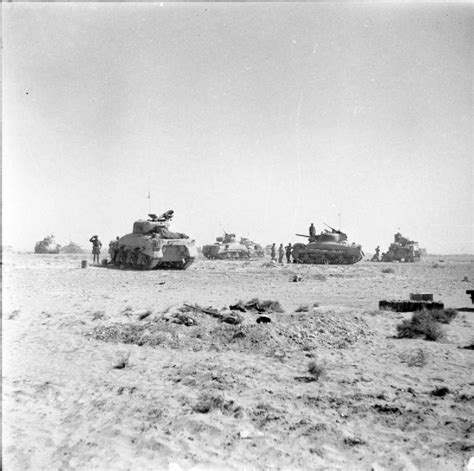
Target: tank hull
x=232, y=251
x=43, y=248
x=320, y=253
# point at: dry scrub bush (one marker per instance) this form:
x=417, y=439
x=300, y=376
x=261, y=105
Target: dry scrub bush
x=315, y=370
x=421, y=325
x=444, y=316
x=302, y=308
x=388, y=270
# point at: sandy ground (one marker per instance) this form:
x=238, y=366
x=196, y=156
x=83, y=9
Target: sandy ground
x=219, y=396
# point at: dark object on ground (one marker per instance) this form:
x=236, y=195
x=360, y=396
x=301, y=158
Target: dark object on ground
x=305, y=379
x=263, y=320
x=409, y=306
x=296, y=278
x=184, y=319
x=123, y=362
x=386, y=409
x=470, y=292
x=229, y=318
x=315, y=370
x=262, y=306
x=421, y=325
x=302, y=308
x=465, y=309
x=238, y=307
x=468, y=347
x=388, y=270
x=209, y=402
x=421, y=297
x=144, y=314
x=440, y=392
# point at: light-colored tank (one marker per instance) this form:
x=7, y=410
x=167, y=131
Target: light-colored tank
x=402, y=250
x=48, y=246
x=226, y=248
x=255, y=250
x=152, y=245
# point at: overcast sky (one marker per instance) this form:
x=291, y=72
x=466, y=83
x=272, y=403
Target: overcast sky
x=253, y=118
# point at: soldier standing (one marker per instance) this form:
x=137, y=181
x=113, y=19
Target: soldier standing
x=273, y=252
x=312, y=230
x=96, y=246
x=377, y=252
x=288, y=249
x=280, y=253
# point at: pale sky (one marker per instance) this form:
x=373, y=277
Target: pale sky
x=254, y=118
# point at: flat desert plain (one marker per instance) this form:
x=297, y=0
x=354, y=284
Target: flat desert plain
x=104, y=369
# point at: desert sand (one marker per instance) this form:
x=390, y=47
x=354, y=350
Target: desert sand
x=213, y=395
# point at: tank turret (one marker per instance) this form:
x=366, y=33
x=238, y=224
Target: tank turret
x=151, y=245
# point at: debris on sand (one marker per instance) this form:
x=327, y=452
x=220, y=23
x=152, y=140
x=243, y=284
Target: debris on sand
x=227, y=317
x=263, y=320
x=256, y=305
x=122, y=362
x=316, y=370
x=302, y=308
x=208, y=402
x=184, y=319
x=440, y=392
x=296, y=278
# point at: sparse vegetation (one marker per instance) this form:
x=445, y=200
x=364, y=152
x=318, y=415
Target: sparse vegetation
x=316, y=370
x=388, y=270
x=444, y=316
x=421, y=325
x=208, y=402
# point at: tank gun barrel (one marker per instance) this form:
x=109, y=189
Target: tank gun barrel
x=332, y=228
x=303, y=235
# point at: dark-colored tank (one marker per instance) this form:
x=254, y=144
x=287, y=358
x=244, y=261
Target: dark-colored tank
x=152, y=245
x=328, y=248
x=226, y=248
x=48, y=245
x=402, y=250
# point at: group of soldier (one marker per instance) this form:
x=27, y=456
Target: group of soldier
x=282, y=251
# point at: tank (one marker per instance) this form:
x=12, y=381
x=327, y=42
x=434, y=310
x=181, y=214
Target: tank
x=402, y=250
x=72, y=248
x=151, y=245
x=255, y=250
x=328, y=248
x=226, y=248
x=47, y=245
